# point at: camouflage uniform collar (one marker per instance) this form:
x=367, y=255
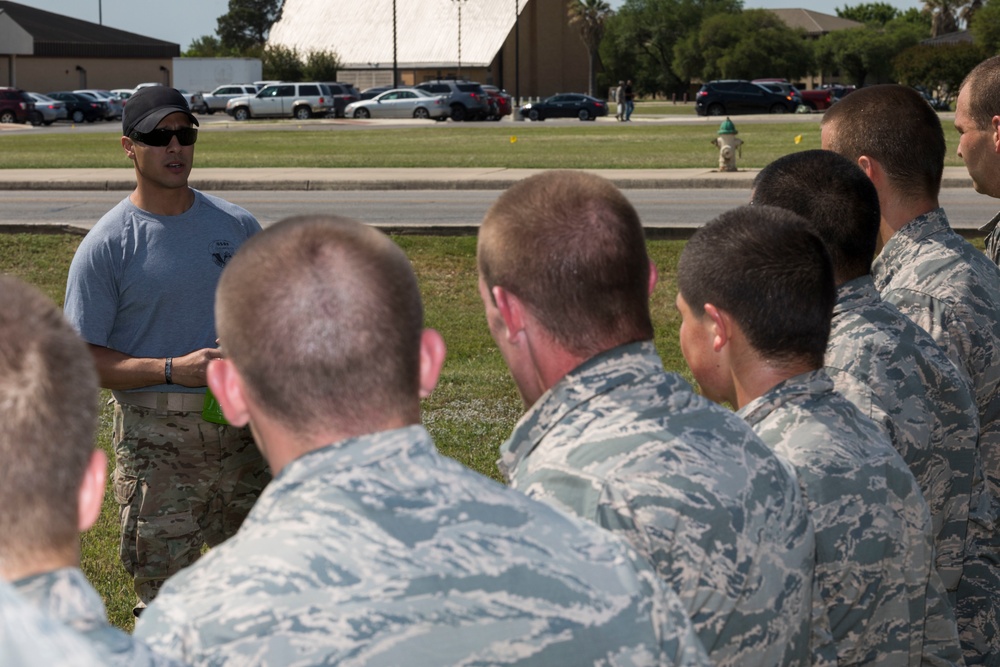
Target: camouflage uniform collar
x=991, y=225
x=598, y=375
x=856, y=293
x=893, y=255
x=356, y=452
x=805, y=386
x=67, y=595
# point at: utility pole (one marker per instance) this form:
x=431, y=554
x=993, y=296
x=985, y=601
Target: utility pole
x=100, y=13
x=517, y=53
x=459, y=2
x=395, y=64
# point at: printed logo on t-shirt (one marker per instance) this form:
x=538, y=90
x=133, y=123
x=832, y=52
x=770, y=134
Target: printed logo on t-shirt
x=222, y=251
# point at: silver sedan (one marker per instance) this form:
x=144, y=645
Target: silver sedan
x=401, y=103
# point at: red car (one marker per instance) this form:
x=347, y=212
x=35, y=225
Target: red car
x=499, y=101
x=821, y=99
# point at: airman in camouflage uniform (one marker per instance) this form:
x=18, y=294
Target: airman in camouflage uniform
x=369, y=547
x=895, y=373
x=30, y=639
x=936, y=278
x=614, y=438
x=762, y=350
x=976, y=109
x=66, y=595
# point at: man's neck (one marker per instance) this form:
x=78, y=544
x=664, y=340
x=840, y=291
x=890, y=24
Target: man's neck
x=898, y=211
x=160, y=201
x=39, y=563
x=759, y=376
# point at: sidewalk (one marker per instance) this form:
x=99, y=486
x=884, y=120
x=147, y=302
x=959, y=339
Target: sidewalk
x=388, y=179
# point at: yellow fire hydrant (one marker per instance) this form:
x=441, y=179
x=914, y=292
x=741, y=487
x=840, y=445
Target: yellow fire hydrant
x=729, y=145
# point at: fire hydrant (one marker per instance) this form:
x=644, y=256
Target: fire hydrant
x=729, y=145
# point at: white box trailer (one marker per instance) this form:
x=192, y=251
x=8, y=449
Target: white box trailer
x=206, y=74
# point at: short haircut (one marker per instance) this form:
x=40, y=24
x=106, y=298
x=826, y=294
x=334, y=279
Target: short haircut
x=323, y=319
x=983, y=84
x=896, y=126
x=571, y=247
x=835, y=196
x=764, y=267
x=48, y=412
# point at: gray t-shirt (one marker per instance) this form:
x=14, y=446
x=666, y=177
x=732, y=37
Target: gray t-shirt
x=144, y=284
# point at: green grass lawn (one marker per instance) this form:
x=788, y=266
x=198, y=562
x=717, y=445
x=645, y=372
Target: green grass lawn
x=538, y=146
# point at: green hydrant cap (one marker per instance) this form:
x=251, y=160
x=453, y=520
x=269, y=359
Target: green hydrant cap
x=727, y=127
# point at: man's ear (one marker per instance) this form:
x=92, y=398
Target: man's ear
x=129, y=148
x=995, y=122
x=654, y=277
x=432, y=354
x=511, y=311
x=227, y=385
x=722, y=326
x=90, y=497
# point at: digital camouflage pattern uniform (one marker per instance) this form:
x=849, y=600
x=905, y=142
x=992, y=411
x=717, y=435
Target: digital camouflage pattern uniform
x=895, y=373
x=623, y=443
x=992, y=238
x=874, y=547
x=379, y=551
x=952, y=291
x=179, y=481
x=29, y=638
x=66, y=595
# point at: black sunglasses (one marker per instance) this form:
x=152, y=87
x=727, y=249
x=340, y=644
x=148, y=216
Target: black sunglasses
x=186, y=136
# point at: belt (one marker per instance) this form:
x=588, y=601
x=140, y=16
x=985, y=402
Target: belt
x=162, y=400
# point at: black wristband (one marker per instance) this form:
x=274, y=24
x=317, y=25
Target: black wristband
x=168, y=370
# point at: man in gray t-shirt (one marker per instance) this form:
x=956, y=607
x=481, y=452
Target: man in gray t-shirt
x=141, y=293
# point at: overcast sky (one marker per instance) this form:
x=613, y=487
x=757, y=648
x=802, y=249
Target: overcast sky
x=182, y=21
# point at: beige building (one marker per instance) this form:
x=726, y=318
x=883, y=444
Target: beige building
x=537, y=55
x=815, y=25
x=43, y=51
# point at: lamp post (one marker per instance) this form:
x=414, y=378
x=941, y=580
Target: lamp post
x=395, y=64
x=459, y=3
x=517, y=53
x=100, y=13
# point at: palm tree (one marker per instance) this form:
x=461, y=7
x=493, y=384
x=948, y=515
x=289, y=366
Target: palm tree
x=943, y=15
x=969, y=10
x=589, y=16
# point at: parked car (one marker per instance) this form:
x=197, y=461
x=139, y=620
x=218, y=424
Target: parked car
x=566, y=105
x=500, y=101
x=343, y=94
x=290, y=100
x=369, y=93
x=122, y=93
x=216, y=100
x=80, y=108
x=727, y=97
x=936, y=103
x=782, y=87
x=49, y=110
x=196, y=101
x=467, y=99
x=114, y=103
x=820, y=99
x=401, y=103
x=15, y=106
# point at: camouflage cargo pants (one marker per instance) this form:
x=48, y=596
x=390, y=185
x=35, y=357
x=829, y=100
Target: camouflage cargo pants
x=180, y=482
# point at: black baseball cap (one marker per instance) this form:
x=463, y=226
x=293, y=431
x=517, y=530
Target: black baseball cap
x=149, y=105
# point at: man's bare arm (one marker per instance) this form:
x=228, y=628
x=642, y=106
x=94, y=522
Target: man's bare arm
x=122, y=371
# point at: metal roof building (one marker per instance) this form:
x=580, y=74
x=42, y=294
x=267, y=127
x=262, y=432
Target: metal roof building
x=429, y=44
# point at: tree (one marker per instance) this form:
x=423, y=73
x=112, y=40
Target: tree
x=985, y=27
x=645, y=33
x=281, y=63
x=751, y=44
x=589, y=16
x=321, y=66
x=865, y=54
x=943, y=16
x=206, y=46
x=969, y=11
x=876, y=13
x=939, y=67
x=245, y=27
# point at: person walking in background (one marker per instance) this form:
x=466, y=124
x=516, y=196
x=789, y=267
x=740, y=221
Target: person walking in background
x=620, y=101
x=629, y=100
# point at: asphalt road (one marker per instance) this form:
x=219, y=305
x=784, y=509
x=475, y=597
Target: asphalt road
x=667, y=208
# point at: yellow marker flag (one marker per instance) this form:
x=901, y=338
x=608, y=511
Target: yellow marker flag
x=513, y=140
x=798, y=138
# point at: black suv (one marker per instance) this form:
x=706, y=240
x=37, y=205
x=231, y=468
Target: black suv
x=15, y=106
x=735, y=96
x=467, y=99
x=343, y=94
